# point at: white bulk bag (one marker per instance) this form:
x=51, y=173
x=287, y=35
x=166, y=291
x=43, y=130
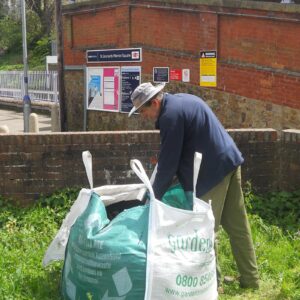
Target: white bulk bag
x=110, y=194
x=180, y=254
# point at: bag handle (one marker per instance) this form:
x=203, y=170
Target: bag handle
x=152, y=178
x=139, y=170
x=87, y=161
x=197, y=164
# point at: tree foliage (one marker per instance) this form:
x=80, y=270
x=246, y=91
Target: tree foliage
x=44, y=9
x=39, y=27
x=10, y=33
x=3, y=9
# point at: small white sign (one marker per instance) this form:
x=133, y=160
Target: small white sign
x=208, y=78
x=186, y=75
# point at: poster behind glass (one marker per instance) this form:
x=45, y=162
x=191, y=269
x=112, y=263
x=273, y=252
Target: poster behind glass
x=103, y=88
x=131, y=78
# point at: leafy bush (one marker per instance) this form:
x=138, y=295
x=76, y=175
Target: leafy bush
x=11, y=43
x=40, y=51
x=11, y=67
x=11, y=34
x=277, y=208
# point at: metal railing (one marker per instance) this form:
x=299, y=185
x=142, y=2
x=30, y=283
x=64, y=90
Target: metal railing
x=42, y=85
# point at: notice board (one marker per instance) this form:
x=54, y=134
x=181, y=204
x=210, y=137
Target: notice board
x=130, y=79
x=103, y=88
x=208, y=68
x=161, y=74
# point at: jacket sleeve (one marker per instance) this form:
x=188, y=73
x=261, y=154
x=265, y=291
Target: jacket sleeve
x=171, y=138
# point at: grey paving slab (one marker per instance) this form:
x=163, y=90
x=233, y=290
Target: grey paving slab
x=15, y=122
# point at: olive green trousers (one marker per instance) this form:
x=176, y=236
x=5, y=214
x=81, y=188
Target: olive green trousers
x=229, y=211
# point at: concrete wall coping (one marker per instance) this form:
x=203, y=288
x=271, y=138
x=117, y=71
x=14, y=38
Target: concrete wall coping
x=291, y=131
x=238, y=4
x=296, y=131
x=252, y=130
x=16, y=103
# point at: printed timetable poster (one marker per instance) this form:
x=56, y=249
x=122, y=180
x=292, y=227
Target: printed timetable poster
x=208, y=68
x=131, y=78
x=161, y=74
x=103, y=88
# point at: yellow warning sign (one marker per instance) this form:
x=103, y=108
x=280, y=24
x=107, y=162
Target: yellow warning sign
x=208, y=68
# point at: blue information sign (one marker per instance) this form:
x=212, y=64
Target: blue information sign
x=131, y=78
x=114, y=55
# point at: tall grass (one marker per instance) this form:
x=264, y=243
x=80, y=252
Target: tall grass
x=25, y=234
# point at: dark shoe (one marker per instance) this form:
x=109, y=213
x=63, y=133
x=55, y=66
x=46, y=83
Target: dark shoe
x=249, y=285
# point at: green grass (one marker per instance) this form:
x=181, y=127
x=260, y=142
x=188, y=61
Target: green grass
x=278, y=257
x=25, y=234
x=275, y=224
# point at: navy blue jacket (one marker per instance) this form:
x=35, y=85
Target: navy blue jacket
x=187, y=125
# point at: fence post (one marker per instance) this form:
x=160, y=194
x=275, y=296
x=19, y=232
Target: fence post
x=21, y=84
x=48, y=85
x=55, y=87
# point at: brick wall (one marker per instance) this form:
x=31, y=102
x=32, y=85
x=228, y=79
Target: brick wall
x=31, y=164
x=258, y=45
x=290, y=164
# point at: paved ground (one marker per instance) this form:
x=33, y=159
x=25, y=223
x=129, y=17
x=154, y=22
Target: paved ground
x=15, y=122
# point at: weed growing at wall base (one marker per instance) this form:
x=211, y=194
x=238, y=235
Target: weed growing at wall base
x=25, y=234
x=276, y=208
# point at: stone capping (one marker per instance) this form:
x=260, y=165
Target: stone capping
x=79, y=138
x=254, y=134
x=18, y=103
x=291, y=135
x=238, y=4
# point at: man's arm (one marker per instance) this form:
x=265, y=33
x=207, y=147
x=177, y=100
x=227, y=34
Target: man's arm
x=172, y=136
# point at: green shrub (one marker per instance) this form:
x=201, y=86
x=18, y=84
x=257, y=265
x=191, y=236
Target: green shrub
x=277, y=208
x=40, y=51
x=11, y=34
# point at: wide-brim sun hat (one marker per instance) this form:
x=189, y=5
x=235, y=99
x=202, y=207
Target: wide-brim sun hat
x=143, y=93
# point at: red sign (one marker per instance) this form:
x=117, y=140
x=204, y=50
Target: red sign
x=176, y=74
